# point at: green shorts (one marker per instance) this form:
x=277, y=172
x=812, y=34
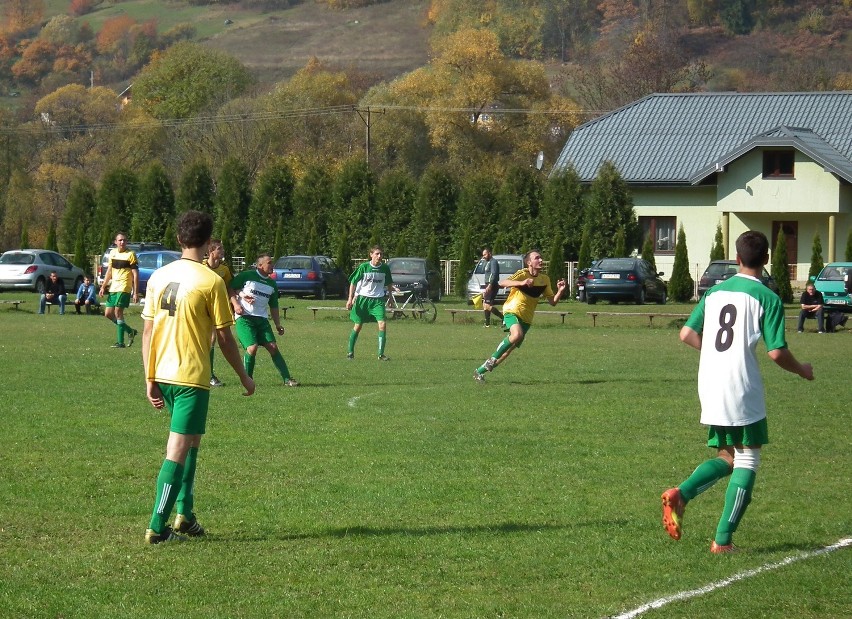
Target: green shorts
x=512, y=319
x=368, y=309
x=254, y=330
x=753, y=435
x=188, y=406
x=118, y=299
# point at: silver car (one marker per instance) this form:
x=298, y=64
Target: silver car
x=509, y=265
x=29, y=269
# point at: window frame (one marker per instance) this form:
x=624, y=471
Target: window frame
x=653, y=225
x=775, y=164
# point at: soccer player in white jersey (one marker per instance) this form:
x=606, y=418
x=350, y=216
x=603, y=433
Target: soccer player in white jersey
x=368, y=286
x=725, y=326
x=184, y=303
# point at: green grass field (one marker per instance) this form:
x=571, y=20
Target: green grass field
x=404, y=489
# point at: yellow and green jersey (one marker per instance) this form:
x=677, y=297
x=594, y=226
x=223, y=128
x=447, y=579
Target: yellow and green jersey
x=222, y=271
x=185, y=300
x=523, y=300
x=123, y=263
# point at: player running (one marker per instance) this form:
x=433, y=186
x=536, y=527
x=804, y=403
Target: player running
x=526, y=287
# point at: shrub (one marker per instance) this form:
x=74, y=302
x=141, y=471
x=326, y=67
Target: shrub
x=780, y=268
x=816, y=257
x=681, y=284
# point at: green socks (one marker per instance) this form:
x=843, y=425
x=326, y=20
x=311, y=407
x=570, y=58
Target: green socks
x=185, y=497
x=737, y=498
x=248, y=362
x=502, y=348
x=382, y=340
x=168, y=487
x=707, y=474
x=353, y=337
x=279, y=362
x=119, y=327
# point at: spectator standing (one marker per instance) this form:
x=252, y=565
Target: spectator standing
x=54, y=293
x=492, y=285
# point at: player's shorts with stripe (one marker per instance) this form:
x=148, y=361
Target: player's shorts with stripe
x=118, y=299
x=753, y=435
x=489, y=295
x=188, y=406
x=254, y=330
x=368, y=309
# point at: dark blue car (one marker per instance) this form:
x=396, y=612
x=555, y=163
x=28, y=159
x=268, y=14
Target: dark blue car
x=150, y=261
x=318, y=276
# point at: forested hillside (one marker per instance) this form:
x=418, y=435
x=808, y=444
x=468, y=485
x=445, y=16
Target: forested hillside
x=330, y=124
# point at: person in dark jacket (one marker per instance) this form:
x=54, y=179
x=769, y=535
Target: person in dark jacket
x=54, y=293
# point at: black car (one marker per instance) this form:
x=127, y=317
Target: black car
x=408, y=272
x=310, y=275
x=720, y=270
x=624, y=279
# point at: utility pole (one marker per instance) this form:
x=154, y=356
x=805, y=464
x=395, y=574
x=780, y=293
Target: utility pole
x=366, y=117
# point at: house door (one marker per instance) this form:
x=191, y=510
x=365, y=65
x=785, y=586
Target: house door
x=791, y=235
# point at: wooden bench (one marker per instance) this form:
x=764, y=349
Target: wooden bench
x=649, y=315
x=320, y=309
x=453, y=313
x=15, y=303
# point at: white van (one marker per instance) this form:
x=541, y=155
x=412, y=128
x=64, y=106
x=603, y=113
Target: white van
x=509, y=265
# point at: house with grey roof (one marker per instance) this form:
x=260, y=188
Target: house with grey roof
x=745, y=161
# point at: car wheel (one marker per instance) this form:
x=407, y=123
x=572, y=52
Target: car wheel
x=322, y=294
x=591, y=300
x=640, y=298
x=40, y=285
x=663, y=298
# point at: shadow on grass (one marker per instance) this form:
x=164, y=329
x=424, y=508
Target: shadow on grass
x=360, y=531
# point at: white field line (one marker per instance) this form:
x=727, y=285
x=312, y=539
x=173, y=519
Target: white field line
x=685, y=595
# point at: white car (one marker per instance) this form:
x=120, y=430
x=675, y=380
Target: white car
x=29, y=269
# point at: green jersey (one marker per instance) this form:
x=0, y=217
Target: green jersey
x=371, y=281
x=257, y=293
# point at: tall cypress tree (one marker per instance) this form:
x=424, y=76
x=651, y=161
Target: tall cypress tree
x=648, y=252
x=717, y=252
x=780, y=268
x=78, y=214
x=271, y=206
x=311, y=199
x=466, y=262
x=233, y=197
x=562, y=209
x=437, y=196
x=816, y=257
x=849, y=246
x=354, y=199
x=155, y=205
x=115, y=201
x=610, y=208
x=681, y=284
x=196, y=190
x=584, y=260
x=50, y=243
x=556, y=264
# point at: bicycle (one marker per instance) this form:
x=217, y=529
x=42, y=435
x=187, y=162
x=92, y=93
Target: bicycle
x=415, y=305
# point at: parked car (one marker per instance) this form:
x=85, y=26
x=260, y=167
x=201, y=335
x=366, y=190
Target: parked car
x=310, y=275
x=135, y=247
x=625, y=279
x=509, y=265
x=29, y=269
x=408, y=272
x=720, y=270
x=831, y=282
x=150, y=261
x=581, y=282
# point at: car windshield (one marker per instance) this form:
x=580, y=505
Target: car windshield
x=407, y=267
x=507, y=265
x=16, y=258
x=717, y=269
x=294, y=262
x=616, y=264
x=147, y=261
x=832, y=274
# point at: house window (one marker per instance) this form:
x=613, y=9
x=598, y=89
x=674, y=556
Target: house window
x=778, y=164
x=663, y=230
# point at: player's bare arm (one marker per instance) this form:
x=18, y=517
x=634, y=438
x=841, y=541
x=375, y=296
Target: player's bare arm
x=351, y=300
x=690, y=338
x=152, y=389
x=135, y=273
x=785, y=360
x=276, y=319
x=228, y=348
x=560, y=288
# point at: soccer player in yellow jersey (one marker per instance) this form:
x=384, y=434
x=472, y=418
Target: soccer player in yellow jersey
x=185, y=302
x=526, y=286
x=216, y=261
x=122, y=277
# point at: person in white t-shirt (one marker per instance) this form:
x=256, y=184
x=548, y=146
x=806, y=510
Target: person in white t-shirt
x=725, y=326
